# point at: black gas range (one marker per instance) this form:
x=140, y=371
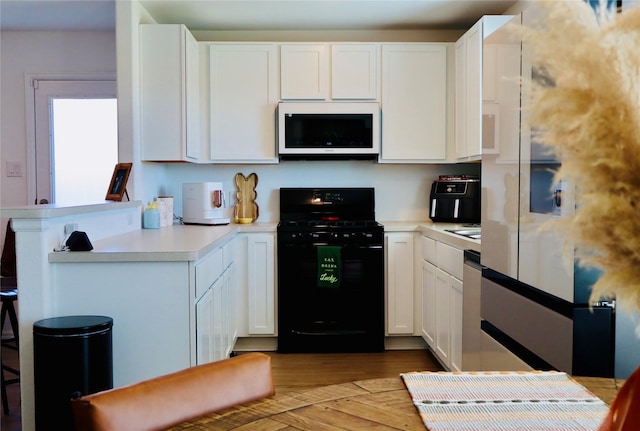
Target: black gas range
x=330, y=271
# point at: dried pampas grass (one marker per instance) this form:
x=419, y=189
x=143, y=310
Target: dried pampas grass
x=591, y=119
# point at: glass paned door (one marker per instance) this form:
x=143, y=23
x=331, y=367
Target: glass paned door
x=76, y=140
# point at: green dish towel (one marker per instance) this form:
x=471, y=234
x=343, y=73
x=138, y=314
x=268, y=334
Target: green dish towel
x=329, y=266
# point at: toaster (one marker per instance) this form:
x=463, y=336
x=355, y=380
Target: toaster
x=455, y=199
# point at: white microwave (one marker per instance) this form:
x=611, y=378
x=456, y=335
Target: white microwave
x=329, y=130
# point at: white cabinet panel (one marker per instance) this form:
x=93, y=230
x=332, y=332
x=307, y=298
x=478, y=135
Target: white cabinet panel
x=218, y=311
x=169, y=93
x=243, y=101
x=400, y=283
x=443, y=316
x=204, y=329
x=207, y=271
x=261, y=283
x=455, y=306
x=473, y=87
x=354, y=71
x=414, y=102
x=450, y=259
x=468, y=93
x=428, y=249
x=429, y=304
x=216, y=304
x=442, y=301
x=304, y=70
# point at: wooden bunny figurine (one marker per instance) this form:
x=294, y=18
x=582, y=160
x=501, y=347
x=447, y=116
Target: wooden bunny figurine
x=246, y=210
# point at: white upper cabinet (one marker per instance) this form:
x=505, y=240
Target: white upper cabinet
x=169, y=81
x=243, y=79
x=343, y=71
x=354, y=71
x=475, y=83
x=304, y=71
x=468, y=94
x=414, y=102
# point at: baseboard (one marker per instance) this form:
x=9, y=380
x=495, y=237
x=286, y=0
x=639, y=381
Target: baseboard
x=405, y=343
x=270, y=344
x=256, y=344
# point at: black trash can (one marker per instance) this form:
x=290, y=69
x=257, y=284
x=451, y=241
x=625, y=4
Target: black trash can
x=72, y=356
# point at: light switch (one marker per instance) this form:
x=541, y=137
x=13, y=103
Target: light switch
x=14, y=169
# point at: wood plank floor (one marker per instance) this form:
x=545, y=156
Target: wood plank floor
x=305, y=370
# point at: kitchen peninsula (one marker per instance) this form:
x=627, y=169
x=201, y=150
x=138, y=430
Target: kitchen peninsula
x=146, y=280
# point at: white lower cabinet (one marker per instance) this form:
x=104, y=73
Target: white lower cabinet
x=216, y=304
x=204, y=328
x=210, y=317
x=443, y=316
x=456, y=319
x=442, y=301
x=400, y=285
x=429, y=303
x=261, y=284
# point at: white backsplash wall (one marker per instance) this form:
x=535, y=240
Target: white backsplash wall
x=401, y=191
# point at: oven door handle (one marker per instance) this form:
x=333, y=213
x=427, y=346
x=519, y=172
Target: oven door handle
x=362, y=247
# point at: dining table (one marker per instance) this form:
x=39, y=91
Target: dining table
x=374, y=404
x=378, y=404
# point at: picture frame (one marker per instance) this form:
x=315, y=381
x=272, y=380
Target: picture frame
x=118, y=185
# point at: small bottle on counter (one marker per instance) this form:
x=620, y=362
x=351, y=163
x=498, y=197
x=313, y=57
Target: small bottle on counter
x=151, y=216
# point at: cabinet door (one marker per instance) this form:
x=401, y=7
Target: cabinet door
x=261, y=283
x=456, y=324
x=400, y=284
x=169, y=93
x=474, y=90
x=414, y=102
x=443, y=317
x=354, y=71
x=204, y=329
x=243, y=101
x=231, y=299
x=461, y=98
x=304, y=70
x=429, y=304
x=468, y=94
x=218, y=319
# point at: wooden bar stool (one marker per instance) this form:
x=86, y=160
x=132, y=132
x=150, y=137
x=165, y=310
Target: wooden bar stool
x=8, y=298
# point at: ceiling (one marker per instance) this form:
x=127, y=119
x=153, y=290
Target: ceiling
x=255, y=14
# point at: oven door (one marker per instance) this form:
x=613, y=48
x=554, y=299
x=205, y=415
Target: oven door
x=314, y=316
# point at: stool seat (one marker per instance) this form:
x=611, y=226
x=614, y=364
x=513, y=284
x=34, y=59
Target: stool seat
x=8, y=283
x=8, y=297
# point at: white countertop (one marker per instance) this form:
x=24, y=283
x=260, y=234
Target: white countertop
x=436, y=231
x=168, y=244
x=191, y=242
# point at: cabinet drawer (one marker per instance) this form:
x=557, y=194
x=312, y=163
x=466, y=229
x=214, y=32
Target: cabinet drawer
x=429, y=249
x=450, y=259
x=208, y=270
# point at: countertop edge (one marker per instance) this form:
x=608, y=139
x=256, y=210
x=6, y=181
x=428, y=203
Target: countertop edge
x=184, y=243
